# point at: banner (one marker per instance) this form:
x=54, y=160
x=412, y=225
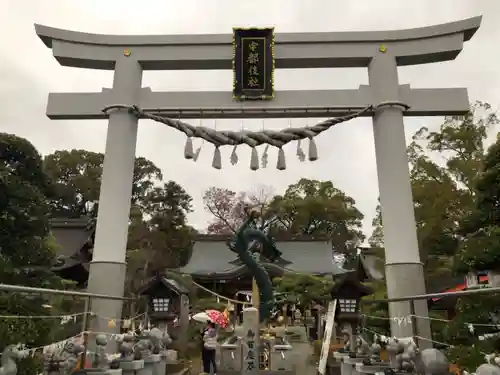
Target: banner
x=327, y=337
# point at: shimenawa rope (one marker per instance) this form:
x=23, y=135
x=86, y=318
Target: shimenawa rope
x=253, y=139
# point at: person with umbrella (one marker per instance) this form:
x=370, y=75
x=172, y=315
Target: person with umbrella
x=209, y=336
x=209, y=346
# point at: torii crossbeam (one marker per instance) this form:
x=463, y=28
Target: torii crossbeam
x=381, y=52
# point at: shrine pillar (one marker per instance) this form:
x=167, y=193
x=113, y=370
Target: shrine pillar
x=108, y=267
x=403, y=268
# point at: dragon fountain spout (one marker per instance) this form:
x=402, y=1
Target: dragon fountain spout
x=242, y=244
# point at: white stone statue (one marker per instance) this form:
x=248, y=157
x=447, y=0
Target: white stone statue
x=428, y=361
x=9, y=357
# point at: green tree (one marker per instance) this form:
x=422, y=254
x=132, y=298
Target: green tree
x=159, y=236
x=475, y=317
x=377, y=312
x=303, y=290
x=318, y=209
x=76, y=181
x=479, y=251
x=26, y=255
x=307, y=208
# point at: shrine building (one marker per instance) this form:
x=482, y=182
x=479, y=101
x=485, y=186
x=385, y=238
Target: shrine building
x=215, y=267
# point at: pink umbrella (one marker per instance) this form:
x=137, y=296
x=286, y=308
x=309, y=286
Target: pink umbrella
x=217, y=317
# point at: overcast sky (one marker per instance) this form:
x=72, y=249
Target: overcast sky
x=29, y=72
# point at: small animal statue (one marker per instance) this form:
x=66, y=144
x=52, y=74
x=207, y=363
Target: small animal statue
x=428, y=361
x=142, y=348
x=493, y=359
x=487, y=369
x=491, y=367
x=155, y=337
x=9, y=357
x=69, y=356
x=100, y=358
x=398, y=355
x=159, y=339
x=126, y=348
x=394, y=350
x=406, y=363
x=52, y=365
x=375, y=350
x=347, y=342
x=166, y=340
x=362, y=345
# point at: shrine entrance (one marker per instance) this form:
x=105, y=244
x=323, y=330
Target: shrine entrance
x=384, y=100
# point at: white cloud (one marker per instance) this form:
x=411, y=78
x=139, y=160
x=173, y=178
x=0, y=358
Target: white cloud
x=347, y=157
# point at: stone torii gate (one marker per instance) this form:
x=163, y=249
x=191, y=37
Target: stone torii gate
x=381, y=52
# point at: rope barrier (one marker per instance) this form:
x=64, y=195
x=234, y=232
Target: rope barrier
x=428, y=318
x=68, y=316
x=384, y=337
x=435, y=341
x=119, y=320
x=372, y=332
x=60, y=344
x=43, y=316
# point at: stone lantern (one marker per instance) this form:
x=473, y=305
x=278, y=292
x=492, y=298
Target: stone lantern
x=348, y=292
x=168, y=301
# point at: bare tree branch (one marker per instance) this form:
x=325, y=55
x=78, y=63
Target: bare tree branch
x=220, y=217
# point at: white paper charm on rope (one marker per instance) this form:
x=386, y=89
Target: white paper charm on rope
x=400, y=320
x=67, y=319
x=300, y=153
x=197, y=152
x=406, y=340
x=234, y=156
x=384, y=339
x=265, y=157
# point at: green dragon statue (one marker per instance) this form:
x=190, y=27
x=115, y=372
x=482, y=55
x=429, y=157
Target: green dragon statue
x=242, y=244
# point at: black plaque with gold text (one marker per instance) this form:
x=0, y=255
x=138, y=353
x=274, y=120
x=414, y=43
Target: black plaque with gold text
x=253, y=64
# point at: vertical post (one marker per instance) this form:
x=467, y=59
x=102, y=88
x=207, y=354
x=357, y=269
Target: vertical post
x=251, y=341
x=414, y=322
x=404, y=271
x=183, y=324
x=255, y=294
x=107, y=269
x=83, y=357
x=352, y=338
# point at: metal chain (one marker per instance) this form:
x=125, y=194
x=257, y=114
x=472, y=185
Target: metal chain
x=252, y=139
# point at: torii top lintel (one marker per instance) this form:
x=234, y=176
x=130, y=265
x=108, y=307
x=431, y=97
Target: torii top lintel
x=305, y=50
x=292, y=50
